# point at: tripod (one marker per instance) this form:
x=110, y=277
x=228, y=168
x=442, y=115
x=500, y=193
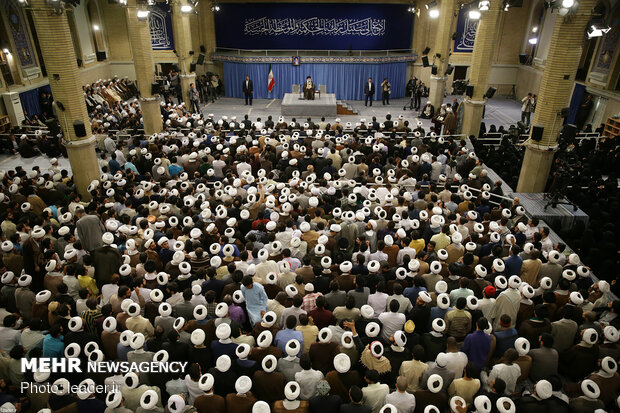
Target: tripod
x=561, y=180
x=411, y=101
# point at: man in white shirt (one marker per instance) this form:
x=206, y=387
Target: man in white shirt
x=379, y=255
x=307, y=379
x=509, y=371
x=405, y=250
x=175, y=296
x=375, y=392
x=120, y=157
x=218, y=165
x=243, y=166
x=9, y=336
x=109, y=144
x=404, y=303
x=392, y=321
x=532, y=227
x=32, y=337
x=456, y=360
x=403, y=401
x=547, y=244
x=108, y=290
x=378, y=301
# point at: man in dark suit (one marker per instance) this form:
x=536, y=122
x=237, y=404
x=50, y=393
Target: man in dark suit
x=248, y=90
x=388, y=123
x=369, y=91
x=356, y=406
x=375, y=124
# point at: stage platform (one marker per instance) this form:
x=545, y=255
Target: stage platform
x=292, y=105
x=534, y=203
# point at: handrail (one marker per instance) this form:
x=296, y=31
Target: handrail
x=33, y=126
x=498, y=137
x=186, y=129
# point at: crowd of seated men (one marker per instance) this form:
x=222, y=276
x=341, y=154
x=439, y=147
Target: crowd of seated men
x=108, y=92
x=310, y=267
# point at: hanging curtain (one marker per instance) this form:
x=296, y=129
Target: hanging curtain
x=30, y=100
x=575, y=102
x=346, y=80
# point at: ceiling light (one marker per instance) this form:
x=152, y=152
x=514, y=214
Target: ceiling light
x=411, y=9
x=474, y=15
x=186, y=8
x=597, y=28
x=534, y=29
x=431, y=5
x=484, y=5
x=95, y=27
x=568, y=3
x=533, y=40
x=215, y=7
x=142, y=14
x=6, y=51
x=433, y=13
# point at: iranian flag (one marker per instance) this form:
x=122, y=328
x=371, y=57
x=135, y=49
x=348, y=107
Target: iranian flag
x=270, y=80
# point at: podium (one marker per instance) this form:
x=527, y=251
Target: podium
x=293, y=104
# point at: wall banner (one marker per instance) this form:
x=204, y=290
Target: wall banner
x=304, y=26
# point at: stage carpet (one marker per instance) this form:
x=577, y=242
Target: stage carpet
x=292, y=105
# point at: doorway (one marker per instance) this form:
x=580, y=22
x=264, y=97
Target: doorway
x=460, y=73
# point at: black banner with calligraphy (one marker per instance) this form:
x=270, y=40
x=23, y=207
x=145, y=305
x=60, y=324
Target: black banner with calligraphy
x=160, y=23
x=304, y=26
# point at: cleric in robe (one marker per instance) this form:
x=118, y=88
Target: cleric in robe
x=255, y=299
x=308, y=89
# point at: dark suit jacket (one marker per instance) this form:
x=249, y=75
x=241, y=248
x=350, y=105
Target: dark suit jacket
x=249, y=88
x=106, y=260
x=369, y=89
x=355, y=408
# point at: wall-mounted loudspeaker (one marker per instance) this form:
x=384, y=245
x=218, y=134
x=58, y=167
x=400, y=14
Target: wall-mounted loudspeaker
x=537, y=132
x=155, y=88
x=469, y=90
x=569, y=132
x=425, y=61
x=201, y=59
x=79, y=128
x=434, y=70
x=490, y=92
